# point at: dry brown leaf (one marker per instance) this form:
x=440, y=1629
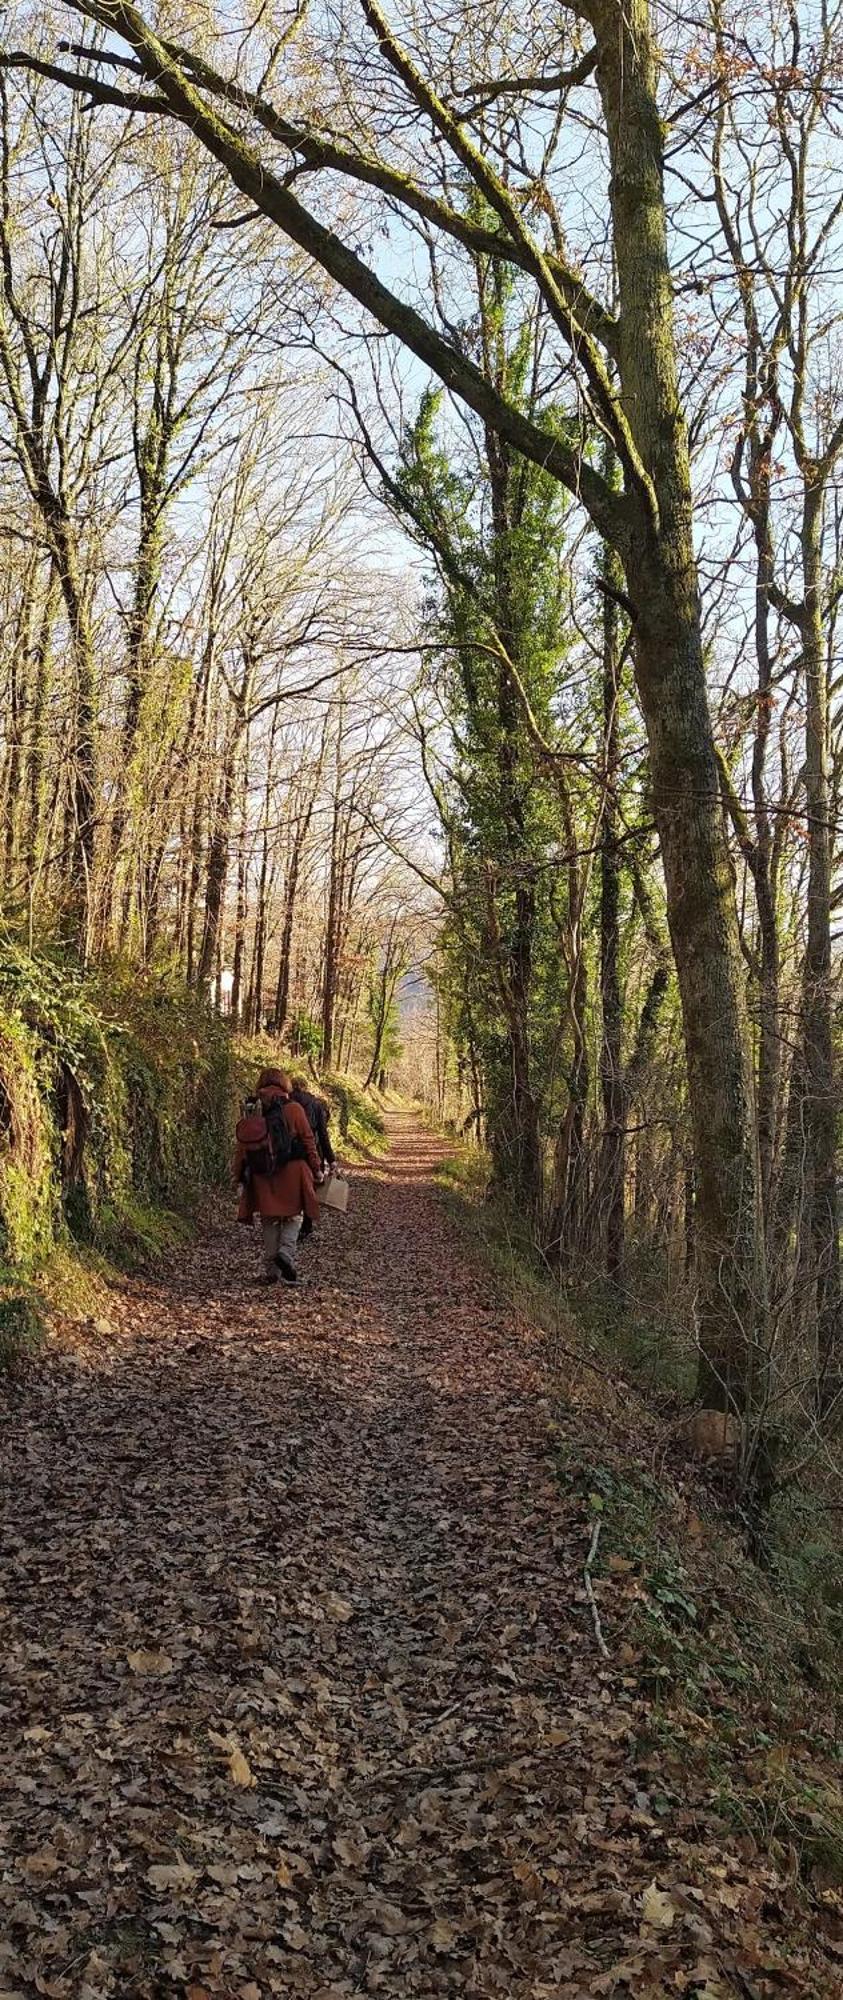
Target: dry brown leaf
x=338, y=1608
x=352, y=1853
x=391, y=1920
x=43, y=1862
x=657, y=1908
x=222, y=1872
x=240, y=1770
x=176, y=1875
x=442, y=1935
x=143, y=1662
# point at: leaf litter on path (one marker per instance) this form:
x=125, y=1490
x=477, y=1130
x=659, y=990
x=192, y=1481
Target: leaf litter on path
x=300, y=1691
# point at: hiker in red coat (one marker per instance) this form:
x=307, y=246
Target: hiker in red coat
x=284, y=1196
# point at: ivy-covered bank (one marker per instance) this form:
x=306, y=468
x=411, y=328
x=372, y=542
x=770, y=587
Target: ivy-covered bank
x=116, y=1098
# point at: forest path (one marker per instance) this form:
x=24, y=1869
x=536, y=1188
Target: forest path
x=299, y=1691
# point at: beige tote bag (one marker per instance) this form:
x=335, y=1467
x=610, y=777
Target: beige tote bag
x=334, y=1193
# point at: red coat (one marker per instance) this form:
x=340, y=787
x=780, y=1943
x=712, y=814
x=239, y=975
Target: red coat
x=291, y=1190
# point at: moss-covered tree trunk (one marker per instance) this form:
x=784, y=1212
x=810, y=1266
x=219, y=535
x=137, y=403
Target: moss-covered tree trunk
x=613, y=1094
x=663, y=585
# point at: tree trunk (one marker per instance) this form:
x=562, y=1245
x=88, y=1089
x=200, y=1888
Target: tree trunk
x=21, y=652
x=524, y=1140
x=137, y=666
x=282, y=990
x=39, y=732
x=83, y=749
x=611, y=1168
x=216, y=874
x=764, y=870
x=567, y=1223
x=330, y=966
x=662, y=583
x=817, y=987
x=239, y=933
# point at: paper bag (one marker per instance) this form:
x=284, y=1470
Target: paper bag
x=334, y=1193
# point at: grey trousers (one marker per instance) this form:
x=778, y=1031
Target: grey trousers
x=279, y=1233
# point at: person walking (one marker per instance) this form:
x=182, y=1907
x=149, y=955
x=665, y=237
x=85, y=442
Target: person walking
x=285, y=1194
x=316, y=1112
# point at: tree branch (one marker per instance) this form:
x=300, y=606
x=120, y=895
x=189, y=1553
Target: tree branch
x=270, y=195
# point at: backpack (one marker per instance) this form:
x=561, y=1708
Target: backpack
x=267, y=1138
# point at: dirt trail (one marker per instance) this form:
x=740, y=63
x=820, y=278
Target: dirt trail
x=299, y=1692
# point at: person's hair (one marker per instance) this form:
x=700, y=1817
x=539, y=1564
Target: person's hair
x=274, y=1079
x=299, y=1081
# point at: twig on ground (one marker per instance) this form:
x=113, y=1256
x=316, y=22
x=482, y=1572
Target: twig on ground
x=589, y=1591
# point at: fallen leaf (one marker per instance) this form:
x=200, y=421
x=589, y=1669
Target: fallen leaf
x=338, y=1608
x=240, y=1770
x=222, y=1872
x=352, y=1853
x=657, y=1908
x=175, y=1875
x=391, y=1920
x=44, y=1862
x=143, y=1662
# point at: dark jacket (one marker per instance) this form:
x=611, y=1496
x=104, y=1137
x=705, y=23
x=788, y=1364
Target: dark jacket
x=291, y=1190
x=316, y=1113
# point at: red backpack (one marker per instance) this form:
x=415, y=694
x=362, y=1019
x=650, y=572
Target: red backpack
x=266, y=1137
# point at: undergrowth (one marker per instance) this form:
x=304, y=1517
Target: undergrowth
x=740, y=1660
x=115, y=1117
x=119, y=1091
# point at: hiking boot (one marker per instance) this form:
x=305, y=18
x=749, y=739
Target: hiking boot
x=288, y=1271
x=267, y=1278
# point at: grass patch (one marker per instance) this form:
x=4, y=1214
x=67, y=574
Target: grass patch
x=650, y=1348
x=77, y=1282
x=357, y=1114
x=465, y=1173
x=22, y=1323
x=139, y=1234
